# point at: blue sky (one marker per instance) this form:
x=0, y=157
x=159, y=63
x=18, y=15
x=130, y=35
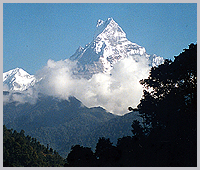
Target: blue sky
x=34, y=33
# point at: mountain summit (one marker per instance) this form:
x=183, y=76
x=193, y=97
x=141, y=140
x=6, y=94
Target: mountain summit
x=109, y=27
x=17, y=80
x=108, y=46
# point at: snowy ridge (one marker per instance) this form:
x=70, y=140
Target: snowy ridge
x=17, y=80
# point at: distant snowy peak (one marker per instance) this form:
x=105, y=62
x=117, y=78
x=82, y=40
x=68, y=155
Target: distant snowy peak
x=17, y=80
x=108, y=47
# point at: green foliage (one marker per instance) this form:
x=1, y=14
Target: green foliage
x=23, y=151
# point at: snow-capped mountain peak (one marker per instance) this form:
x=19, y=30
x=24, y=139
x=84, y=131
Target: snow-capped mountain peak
x=108, y=47
x=17, y=80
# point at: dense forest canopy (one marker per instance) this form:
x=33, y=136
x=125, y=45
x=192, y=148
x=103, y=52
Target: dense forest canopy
x=167, y=135
x=24, y=151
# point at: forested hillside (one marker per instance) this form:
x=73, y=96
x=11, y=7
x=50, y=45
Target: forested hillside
x=24, y=151
x=59, y=123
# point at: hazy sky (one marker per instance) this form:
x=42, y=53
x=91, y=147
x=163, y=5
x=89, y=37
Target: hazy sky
x=34, y=33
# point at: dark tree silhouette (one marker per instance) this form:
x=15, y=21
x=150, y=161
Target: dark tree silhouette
x=106, y=153
x=80, y=157
x=170, y=110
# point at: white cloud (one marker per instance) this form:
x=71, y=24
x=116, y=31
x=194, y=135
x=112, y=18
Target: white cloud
x=113, y=92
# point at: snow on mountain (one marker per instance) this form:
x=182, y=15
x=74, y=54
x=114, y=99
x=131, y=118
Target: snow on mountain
x=17, y=80
x=109, y=46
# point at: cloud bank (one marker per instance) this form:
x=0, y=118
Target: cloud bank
x=114, y=92
x=20, y=97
